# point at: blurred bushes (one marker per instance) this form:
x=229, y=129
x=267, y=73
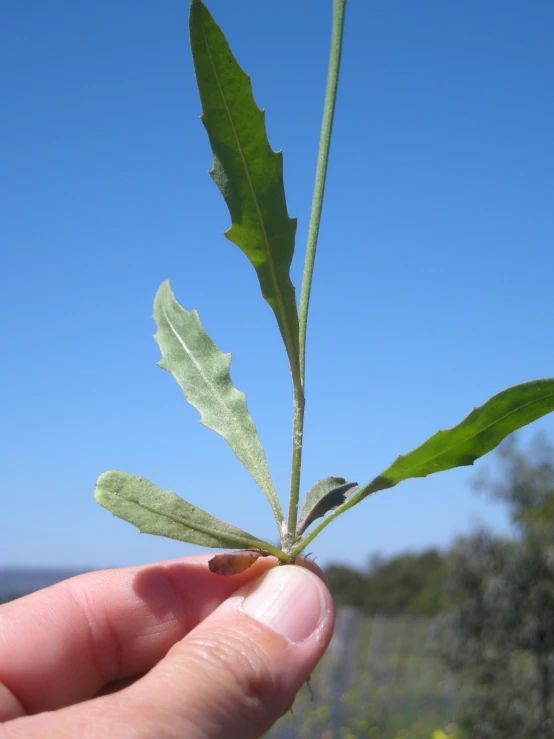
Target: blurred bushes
x=493, y=599
x=499, y=637
x=409, y=584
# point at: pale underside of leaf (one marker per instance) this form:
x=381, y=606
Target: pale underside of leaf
x=479, y=433
x=202, y=372
x=247, y=171
x=163, y=513
x=325, y=496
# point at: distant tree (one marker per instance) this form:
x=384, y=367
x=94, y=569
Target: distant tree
x=525, y=483
x=347, y=585
x=410, y=584
x=406, y=584
x=499, y=637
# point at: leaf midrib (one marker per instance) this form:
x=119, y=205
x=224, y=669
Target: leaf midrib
x=234, y=541
x=224, y=408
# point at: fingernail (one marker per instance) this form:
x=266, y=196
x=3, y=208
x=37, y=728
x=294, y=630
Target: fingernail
x=290, y=600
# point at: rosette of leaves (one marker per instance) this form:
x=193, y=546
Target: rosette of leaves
x=249, y=175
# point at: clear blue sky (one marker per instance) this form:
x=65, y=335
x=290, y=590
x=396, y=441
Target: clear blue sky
x=433, y=284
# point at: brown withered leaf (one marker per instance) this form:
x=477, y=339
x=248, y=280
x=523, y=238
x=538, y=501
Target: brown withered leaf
x=231, y=563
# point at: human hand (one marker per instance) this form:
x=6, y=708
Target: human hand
x=164, y=651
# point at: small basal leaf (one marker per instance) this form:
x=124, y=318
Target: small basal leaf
x=231, y=563
x=163, y=513
x=326, y=495
x=247, y=171
x=202, y=372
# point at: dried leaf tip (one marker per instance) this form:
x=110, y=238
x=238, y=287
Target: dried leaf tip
x=232, y=563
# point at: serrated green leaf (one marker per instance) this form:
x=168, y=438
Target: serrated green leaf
x=479, y=433
x=163, y=513
x=247, y=171
x=325, y=496
x=202, y=372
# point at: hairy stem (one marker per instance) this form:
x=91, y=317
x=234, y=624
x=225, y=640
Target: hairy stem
x=281, y=556
x=339, y=7
x=297, y=433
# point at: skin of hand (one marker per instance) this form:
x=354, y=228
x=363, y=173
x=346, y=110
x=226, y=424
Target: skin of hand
x=164, y=651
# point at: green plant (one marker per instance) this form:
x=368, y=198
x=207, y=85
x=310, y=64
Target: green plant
x=249, y=174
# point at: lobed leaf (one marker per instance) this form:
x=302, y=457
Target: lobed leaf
x=202, y=372
x=247, y=171
x=325, y=496
x=163, y=513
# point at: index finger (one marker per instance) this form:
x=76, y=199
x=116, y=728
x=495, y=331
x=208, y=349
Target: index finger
x=62, y=645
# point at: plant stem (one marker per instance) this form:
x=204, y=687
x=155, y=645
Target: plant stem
x=339, y=7
x=281, y=556
x=297, y=434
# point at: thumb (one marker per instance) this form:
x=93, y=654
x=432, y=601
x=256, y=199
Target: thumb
x=239, y=670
